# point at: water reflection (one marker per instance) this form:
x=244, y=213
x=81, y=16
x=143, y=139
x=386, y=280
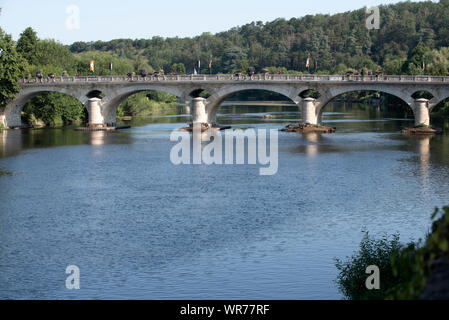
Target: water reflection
x=97, y=138
x=422, y=147
x=11, y=142
x=312, y=146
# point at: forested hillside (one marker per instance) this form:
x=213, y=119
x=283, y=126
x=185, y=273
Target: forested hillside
x=411, y=34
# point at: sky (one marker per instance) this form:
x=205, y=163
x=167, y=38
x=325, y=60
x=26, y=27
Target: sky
x=69, y=21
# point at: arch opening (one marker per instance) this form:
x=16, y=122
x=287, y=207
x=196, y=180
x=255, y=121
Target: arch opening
x=379, y=99
x=422, y=94
x=145, y=103
x=200, y=93
x=440, y=114
x=95, y=94
x=310, y=93
x=366, y=105
x=52, y=109
x=257, y=103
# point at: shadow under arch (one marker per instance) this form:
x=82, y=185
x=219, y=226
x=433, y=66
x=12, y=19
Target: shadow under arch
x=440, y=113
x=200, y=92
x=95, y=94
x=378, y=97
x=265, y=94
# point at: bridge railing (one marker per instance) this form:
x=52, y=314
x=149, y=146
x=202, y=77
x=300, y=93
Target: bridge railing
x=257, y=77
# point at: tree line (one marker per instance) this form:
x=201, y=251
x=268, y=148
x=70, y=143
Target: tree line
x=413, y=39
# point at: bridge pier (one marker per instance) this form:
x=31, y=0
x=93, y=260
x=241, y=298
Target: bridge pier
x=421, y=112
x=96, y=117
x=198, y=110
x=309, y=112
x=12, y=117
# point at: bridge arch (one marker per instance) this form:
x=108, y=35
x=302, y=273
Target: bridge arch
x=435, y=107
x=217, y=97
x=437, y=102
x=332, y=93
x=114, y=98
x=13, y=110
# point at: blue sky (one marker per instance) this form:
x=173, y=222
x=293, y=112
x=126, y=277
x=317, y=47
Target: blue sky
x=106, y=20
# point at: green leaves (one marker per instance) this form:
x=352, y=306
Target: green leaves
x=120, y=66
x=146, y=103
x=352, y=276
x=12, y=67
x=27, y=45
x=404, y=270
x=54, y=108
x=234, y=58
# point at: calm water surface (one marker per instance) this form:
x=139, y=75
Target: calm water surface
x=140, y=227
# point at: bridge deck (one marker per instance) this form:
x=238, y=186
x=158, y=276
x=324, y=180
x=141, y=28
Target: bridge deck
x=234, y=78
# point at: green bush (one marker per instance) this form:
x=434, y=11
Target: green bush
x=413, y=264
x=146, y=103
x=404, y=270
x=352, y=277
x=54, y=108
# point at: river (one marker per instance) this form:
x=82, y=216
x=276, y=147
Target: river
x=139, y=227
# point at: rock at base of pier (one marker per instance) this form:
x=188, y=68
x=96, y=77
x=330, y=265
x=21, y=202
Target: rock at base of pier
x=307, y=127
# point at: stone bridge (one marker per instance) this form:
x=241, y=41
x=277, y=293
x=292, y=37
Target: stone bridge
x=102, y=95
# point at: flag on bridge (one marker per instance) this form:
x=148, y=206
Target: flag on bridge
x=308, y=63
x=110, y=66
x=92, y=66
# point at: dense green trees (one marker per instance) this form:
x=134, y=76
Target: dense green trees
x=53, y=108
x=102, y=62
x=234, y=58
x=26, y=45
x=146, y=103
x=178, y=68
x=333, y=43
x=413, y=39
x=12, y=67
